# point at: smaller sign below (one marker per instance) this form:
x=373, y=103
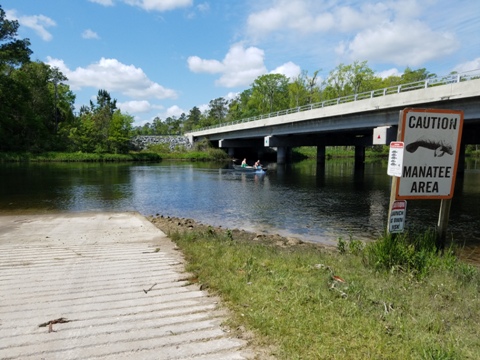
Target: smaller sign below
x=397, y=216
x=395, y=159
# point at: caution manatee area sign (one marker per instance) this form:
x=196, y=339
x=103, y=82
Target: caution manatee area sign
x=431, y=140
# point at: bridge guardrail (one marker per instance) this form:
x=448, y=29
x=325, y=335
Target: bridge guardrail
x=423, y=84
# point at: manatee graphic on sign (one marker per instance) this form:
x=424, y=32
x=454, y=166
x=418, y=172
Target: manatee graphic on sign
x=439, y=147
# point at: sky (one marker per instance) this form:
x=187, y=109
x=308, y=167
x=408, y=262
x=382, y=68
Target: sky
x=160, y=58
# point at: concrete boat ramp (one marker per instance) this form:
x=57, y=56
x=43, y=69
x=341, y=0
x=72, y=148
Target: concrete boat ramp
x=102, y=286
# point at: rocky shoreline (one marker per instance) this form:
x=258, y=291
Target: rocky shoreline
x=171, y=225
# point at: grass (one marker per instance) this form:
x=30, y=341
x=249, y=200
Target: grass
x=155, y=156
x=357, y=302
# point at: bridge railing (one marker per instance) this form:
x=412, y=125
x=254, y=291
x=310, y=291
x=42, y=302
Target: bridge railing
x=417, y=85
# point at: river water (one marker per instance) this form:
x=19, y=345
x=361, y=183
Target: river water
x=299, y=199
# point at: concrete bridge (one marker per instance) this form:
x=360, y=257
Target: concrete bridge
x=350, y=120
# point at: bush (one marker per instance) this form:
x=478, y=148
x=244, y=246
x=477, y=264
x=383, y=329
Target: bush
x=409, y=253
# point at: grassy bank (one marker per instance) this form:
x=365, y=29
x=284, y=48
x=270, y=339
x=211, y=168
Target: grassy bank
x=392, y=299
x=192, y=155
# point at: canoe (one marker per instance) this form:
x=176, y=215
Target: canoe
x=249, y=169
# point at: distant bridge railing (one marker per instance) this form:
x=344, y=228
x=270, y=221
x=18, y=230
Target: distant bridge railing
x=423, y=84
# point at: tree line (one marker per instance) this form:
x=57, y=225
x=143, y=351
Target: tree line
x=273, y=92
x=37, y=106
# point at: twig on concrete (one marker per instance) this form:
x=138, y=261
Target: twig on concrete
x=56, y=321
x=151, y=287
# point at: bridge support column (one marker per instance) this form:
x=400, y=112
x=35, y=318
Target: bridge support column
x=231, y=152
x=359, y=156
x=321, y=154
x=281, y=154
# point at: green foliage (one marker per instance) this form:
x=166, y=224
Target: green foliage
x=76, y=157
x=349, y=79
x=304, y=302
x=270, y=93
x=352, y=246
x=412, y=253
x=13, y=51
x=101, y=128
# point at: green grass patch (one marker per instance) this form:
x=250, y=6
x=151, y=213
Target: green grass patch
x=153, y=155
x=357, y=302
x=77, y=157
x=310, y=152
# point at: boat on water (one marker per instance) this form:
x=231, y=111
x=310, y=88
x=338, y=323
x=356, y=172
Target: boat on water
x=250, y=169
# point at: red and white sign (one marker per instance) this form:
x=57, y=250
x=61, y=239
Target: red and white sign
x=432, y=143
x=395, y=158
x=397, y=216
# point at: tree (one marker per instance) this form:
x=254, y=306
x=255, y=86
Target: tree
x=119, y=133
x=303, y=90
x=410, y=75
x=13, y=52
x=14, y=96
x=101, y=127
x=217, y=110
x=242, y=106
x=192, y=119
x=349, y=79
x=270, y=93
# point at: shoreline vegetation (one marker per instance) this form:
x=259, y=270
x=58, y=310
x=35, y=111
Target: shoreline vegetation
x=159, y=153
x=394, y=298
x=203, y=153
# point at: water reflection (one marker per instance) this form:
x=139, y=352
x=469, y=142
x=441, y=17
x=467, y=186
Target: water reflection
x=300, y=199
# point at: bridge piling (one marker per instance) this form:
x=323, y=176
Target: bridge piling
x=321, y=154
x=359, y=156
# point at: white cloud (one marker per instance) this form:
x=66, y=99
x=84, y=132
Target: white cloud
x=153, y=5
x=141, y=106
x=303, y=16
x=387, y=73
x=231, y=96
x=288, y=69
x=470, y=66
x=103, y=2
x=239, y=67
x=402, y=32
x=203, y=107
x=173, y=111
x=90, y=34
x=38, y=23
x=408, y=44
x=112, y=75
x=198, y=65
x=159, y=5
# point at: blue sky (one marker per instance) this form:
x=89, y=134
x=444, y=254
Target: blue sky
x=163, y=57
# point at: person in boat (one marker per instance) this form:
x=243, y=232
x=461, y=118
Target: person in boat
x=257, y=165
x=244, y=163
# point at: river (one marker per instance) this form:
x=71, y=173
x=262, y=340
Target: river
x=299, y=199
